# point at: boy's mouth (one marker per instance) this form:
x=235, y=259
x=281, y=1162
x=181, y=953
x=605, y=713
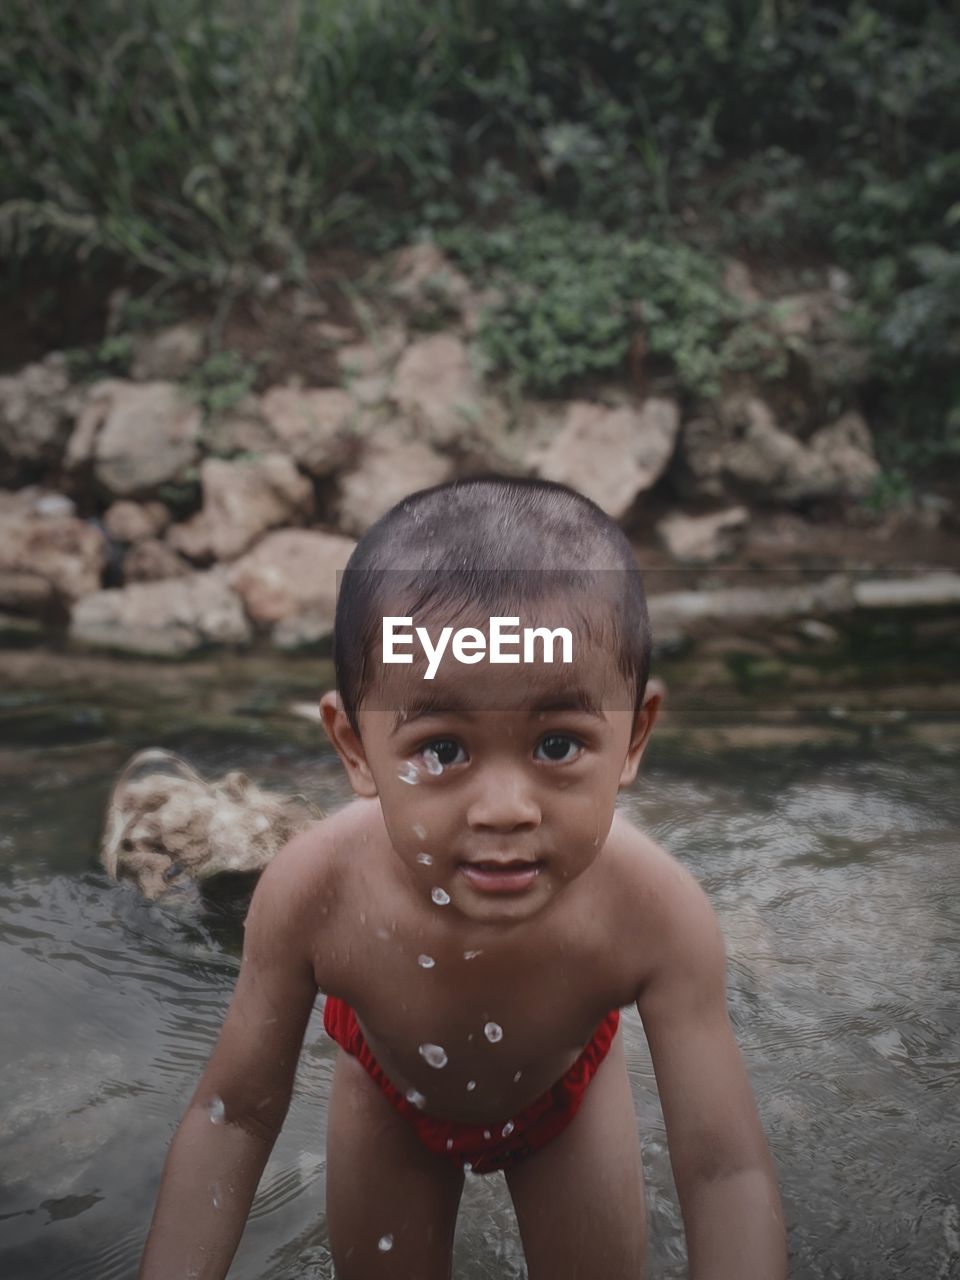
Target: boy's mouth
x=494, y=875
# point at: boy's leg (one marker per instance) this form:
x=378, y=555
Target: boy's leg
x=384, y=1186
x=579, y=1200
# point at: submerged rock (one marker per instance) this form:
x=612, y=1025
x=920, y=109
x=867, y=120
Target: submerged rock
x=172, y=824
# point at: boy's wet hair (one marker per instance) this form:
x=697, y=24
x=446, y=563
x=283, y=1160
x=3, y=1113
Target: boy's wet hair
x=489, y=544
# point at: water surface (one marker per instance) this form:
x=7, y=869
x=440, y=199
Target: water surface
x=834, y=876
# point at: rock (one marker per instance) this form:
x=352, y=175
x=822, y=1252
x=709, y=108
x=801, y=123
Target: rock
x=738, y=282
x=138, y=436
x=390, y=468
x=289, y=582
x=133, y=522
x=153, y=561
x=939, y=589
x=317, y=426
x=32, y=500
x=163, y=619
x=169, y=354
x=426, y=280
x=743, y=452
x=48, y=561
x=702, y=539
x=690, y=611
x=846, y=448
x=37, y=407
x=612, y=454
x=376, y=356
x=435, y=388
x=242, y=500
x=239, y=430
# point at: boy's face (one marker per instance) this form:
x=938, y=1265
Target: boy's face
x=497, y=782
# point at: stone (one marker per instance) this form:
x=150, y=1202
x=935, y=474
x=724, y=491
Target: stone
x=435, y=388
x=317, y=426
x=163, y=619
x=138, y=436
x=241, y=429
x=424, y=277
x=48, y=561
x=375, y=356
x=37, y=407
x=152, y=561
x=169, y=354
x=743, y=452
x=390, y=469
x=612, y=454
x=241, y=501
x=289, y=582
x=738, y=282
x=846, y=447
x=132, y=522
x=702, y=539
x=32, y=500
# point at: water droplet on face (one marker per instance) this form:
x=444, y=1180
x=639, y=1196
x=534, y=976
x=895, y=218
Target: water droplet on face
x=517, y=1076
x=432, y=764
x=471, y=1085
x=426, y=962
x=493, y=1031
x=507, y=1129
x=434, y=1055
x=424, y=859
x=385, y=1244
x=440, y=896
x=416, y=1099
x=217, y=1110
x=216, y=1195
x=383, y=933
x=420, y=831
x=471, y=955
x=409, y=773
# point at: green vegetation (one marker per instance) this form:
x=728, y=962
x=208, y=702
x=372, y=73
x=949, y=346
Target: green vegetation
x=594, y=159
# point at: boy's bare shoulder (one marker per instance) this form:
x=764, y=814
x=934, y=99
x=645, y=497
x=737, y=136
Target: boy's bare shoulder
x=305, y=881
x=661, y=905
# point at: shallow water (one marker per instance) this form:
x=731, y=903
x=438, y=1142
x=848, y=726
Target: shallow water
x=835, y=881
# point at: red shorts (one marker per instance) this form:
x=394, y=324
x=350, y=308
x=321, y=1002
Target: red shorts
x=486, y=1148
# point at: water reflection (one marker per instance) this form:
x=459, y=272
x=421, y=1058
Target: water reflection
x=835, y=884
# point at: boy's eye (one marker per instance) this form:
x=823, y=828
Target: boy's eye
x=558, y=747
x=442, y=753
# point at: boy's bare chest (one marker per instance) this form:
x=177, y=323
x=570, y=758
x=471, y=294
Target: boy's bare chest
x=476, y=1032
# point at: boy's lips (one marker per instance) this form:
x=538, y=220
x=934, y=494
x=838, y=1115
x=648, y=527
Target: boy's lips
x=501, y=875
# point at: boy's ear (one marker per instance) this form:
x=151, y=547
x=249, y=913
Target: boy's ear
x=346, y=742
x=642, y=728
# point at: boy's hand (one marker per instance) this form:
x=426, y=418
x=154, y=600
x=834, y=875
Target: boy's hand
x=238, y=1108
x=721, y=1163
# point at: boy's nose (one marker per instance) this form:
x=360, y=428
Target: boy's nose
x=503, y=803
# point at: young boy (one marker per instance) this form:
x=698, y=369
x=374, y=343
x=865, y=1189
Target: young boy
x=476, y=918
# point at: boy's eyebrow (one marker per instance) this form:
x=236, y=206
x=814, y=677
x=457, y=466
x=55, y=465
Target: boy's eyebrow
x=574, y=700
x=425, y=704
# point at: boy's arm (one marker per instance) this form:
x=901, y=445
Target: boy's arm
x=721, y=1163
x=223, y=1141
